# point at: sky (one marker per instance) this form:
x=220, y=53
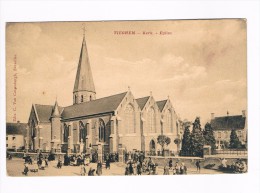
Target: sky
x=201, y=64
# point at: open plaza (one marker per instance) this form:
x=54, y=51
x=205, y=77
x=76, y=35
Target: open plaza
x=15, y=167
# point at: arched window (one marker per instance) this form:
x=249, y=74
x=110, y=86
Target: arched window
x=81, y=98
x=130, y=119
x=82, y=132
x=102, y=131
x=66, y=133
x=168, y=122
x=151, y=120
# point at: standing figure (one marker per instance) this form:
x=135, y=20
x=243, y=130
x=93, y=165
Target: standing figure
x=131, y=169
x=183, y=168
x=170, y=164
x=198, y=165
x=99, y=168
x=35, y=166
x=139, y=168
x=46, y=162
x=26, y=168
x=166, y=170
x=127, y=170
x=87, y=160
x=177, y=168
x=107, y=162
x=82, y=169
x=59, y=164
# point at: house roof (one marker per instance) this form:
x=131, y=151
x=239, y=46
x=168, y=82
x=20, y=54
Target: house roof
x=142, y=101
x=16, y=129
x=228, y=122
x=161, y=104
x=98, y=106
x=44, y=112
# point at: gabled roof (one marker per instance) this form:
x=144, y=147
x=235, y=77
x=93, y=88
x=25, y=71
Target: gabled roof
x=228, y=122
x=98, y=106
x=84, y=80
x=44, y=112
x=16, y=129
x=161, y=104
x=142, y=101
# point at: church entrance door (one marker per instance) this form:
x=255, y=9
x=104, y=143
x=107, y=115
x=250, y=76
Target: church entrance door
x=152, y=147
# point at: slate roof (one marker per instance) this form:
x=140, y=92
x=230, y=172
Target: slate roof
x=16, y=129
x=161, y=104
x=228, y=122
x=98, y=106
x=44, y=112
x=142, y=101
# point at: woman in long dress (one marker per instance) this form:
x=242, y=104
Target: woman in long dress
x=35, y=166
x=166, y=170
x=99, y=168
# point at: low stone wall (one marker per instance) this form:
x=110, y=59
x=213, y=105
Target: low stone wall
x=190, y=161
x=34, y=155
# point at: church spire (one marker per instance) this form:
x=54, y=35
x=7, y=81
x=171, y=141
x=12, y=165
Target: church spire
x=84, y=89
x=55, y=110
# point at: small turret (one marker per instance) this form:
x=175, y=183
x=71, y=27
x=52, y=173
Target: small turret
x=55, y=128
x=55, y=110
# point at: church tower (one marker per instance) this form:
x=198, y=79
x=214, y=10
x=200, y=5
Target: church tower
x=84, y=89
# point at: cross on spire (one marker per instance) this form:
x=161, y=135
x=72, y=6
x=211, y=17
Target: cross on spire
x=84, y=29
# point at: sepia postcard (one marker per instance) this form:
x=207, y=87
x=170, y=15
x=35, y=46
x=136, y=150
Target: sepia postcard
x=111, y=98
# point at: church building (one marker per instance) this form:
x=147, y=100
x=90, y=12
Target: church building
x=112, y=122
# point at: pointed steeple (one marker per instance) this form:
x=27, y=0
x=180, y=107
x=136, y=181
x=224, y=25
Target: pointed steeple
x=55, y=110
x=84, y=89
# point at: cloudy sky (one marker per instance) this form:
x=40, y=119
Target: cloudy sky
x=201, y=65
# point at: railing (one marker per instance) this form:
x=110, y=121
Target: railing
x=231, y=151
x=159, y=153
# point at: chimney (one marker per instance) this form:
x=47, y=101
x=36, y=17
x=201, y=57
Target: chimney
x=212, y=116
x=227, y=113
x=18, y=122
x=243, y=113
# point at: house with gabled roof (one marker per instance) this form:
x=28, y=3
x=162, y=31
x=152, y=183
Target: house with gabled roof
x=113, y=122
x=15, y=135
x=222, y=127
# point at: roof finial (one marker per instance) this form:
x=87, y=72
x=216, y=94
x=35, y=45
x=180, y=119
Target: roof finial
x=151, y=93
x=84, y=29
x=168, y=97
x=129, y=89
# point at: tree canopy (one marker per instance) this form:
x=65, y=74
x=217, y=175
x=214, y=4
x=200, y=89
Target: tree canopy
x=185, y=148
x=163, y=140
x=209, y=138
x=197, y=139
x=234, y=140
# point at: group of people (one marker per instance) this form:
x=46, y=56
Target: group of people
x=134, y=156
x=238, y=166
x=141, y=166
x=34, y=165
x=177, y=169
x=91, y=171
x=83, y=161
x=76, y=160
